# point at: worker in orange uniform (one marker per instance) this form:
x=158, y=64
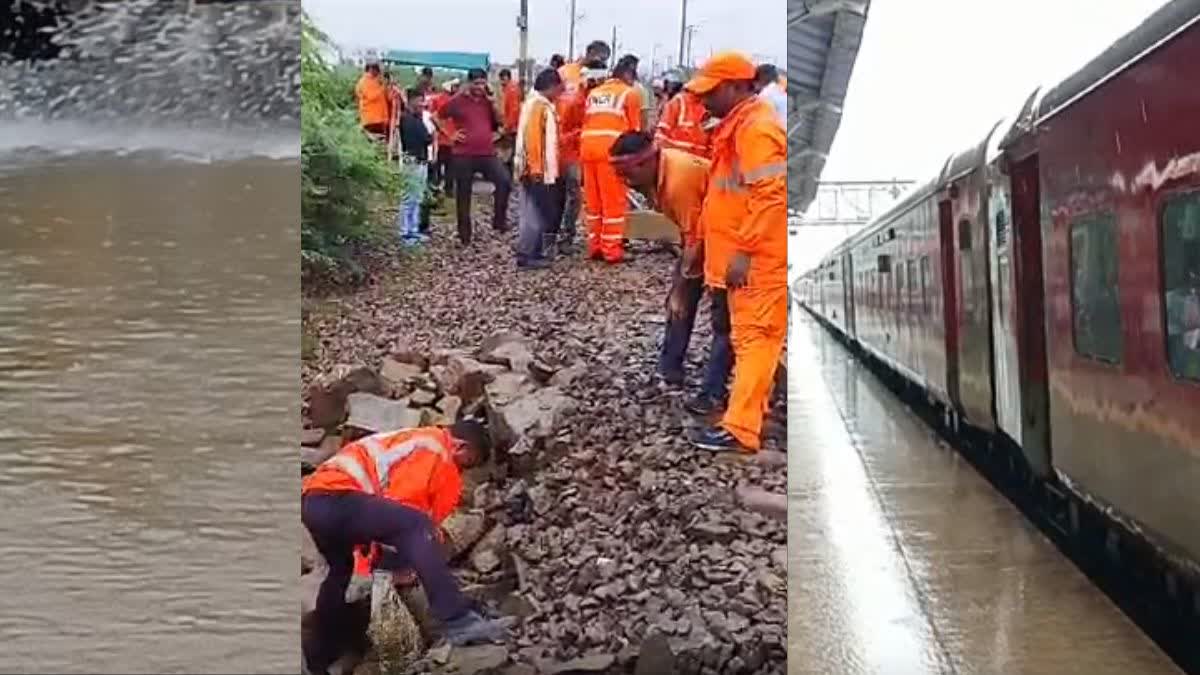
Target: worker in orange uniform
x=681, y=122
x=612, y=109
x=389, y=488
x=745, y=242
x=675, y=182
x=372, y=102
x=571, y=106
x=537, y=169
x=510, y=111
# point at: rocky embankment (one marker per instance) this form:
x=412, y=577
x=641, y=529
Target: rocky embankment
x=615, y=545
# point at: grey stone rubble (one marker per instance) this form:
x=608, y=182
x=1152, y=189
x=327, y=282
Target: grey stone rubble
x=612, y=543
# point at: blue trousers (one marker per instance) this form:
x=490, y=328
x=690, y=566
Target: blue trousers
x=340, y=521
x=715, y=384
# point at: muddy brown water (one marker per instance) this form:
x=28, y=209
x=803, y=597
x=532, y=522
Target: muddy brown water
x=149, y=308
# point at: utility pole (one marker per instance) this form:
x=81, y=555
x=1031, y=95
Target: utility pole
x=690, y=31
x=683, y=31
x=614, y=43
x=571, y=40
x=523, y=25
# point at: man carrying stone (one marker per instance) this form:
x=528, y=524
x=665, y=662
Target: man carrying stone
x=383, y=489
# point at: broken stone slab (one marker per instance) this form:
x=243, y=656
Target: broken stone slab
x=486, y=554
x=771, y=458
x=311, y=438
x=432, y=417
x=515, y=356
x=450, y=407
x=311, y=458
x=594, y=663
x=328, y=394
x=411, y=357
x=541, y=371
x=463, y=530
x=655, y=656
x=377, y=414
x=567, y=376
x=535, y=415
x=507, y=387
x=712, y=532
x=770, y=504
x=422, y=398
x=399, y=372
x=477, y=659
x=498, y=341
x=466, y=378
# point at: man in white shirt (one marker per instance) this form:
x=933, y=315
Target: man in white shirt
x=766, y=80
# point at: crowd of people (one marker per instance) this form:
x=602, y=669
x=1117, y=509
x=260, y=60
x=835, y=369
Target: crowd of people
x=714, y=163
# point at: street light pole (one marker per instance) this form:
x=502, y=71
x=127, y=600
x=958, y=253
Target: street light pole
x=523, y=25
x=571, y=41
x=683, y=30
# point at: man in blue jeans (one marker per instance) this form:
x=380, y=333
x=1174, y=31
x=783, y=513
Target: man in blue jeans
x=675, y=182
x=415, y=140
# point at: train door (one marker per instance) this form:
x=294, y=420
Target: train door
x=1031, y=313
x=1005, y=362
x=949, y=296
x=848, y=292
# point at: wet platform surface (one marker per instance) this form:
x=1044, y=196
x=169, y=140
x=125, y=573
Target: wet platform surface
x=902, y=559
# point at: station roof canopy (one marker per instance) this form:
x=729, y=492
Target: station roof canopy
x=444, y=60
x=823, y=41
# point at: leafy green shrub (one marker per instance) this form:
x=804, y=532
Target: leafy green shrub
x=343, y=173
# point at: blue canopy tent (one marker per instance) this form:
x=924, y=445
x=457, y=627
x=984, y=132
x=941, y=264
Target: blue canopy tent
x=443, y=60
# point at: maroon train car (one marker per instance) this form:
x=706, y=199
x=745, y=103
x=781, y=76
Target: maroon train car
x=1045, y=287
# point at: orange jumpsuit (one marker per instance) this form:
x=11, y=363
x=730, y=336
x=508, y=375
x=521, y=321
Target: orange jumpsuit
x=612, y=109
x=682, y=184
x=414, y=467
x=510, y=107
x=746, y=211
x=679, y=125
x=372, y=100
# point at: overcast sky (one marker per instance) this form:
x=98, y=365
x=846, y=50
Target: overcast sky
x=753, y=26
x=933, y=75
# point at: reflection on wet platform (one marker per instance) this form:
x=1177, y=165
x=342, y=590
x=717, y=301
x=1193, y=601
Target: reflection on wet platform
x=902, y=559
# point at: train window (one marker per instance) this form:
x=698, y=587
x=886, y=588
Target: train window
x=911, y=267
x=1094, y=297
x=964, y=235
x=925, y=284
x=1181, y=283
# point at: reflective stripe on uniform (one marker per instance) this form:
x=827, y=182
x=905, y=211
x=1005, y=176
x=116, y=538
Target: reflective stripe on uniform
x=384, y=459
x=354, y=470
x=765, y=171
x=600, y=132
x=738, y=181
x=613, y=221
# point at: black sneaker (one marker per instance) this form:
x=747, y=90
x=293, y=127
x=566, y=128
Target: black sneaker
x=703, y=405
x=533, y=264
x=717, y=439
x=673, y=378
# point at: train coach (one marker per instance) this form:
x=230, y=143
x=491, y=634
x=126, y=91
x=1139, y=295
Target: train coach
x=1043, y=291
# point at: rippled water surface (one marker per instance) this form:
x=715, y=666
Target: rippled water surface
x=149, y=301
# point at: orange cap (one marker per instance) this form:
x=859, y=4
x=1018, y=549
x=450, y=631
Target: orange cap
x=721, y=68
